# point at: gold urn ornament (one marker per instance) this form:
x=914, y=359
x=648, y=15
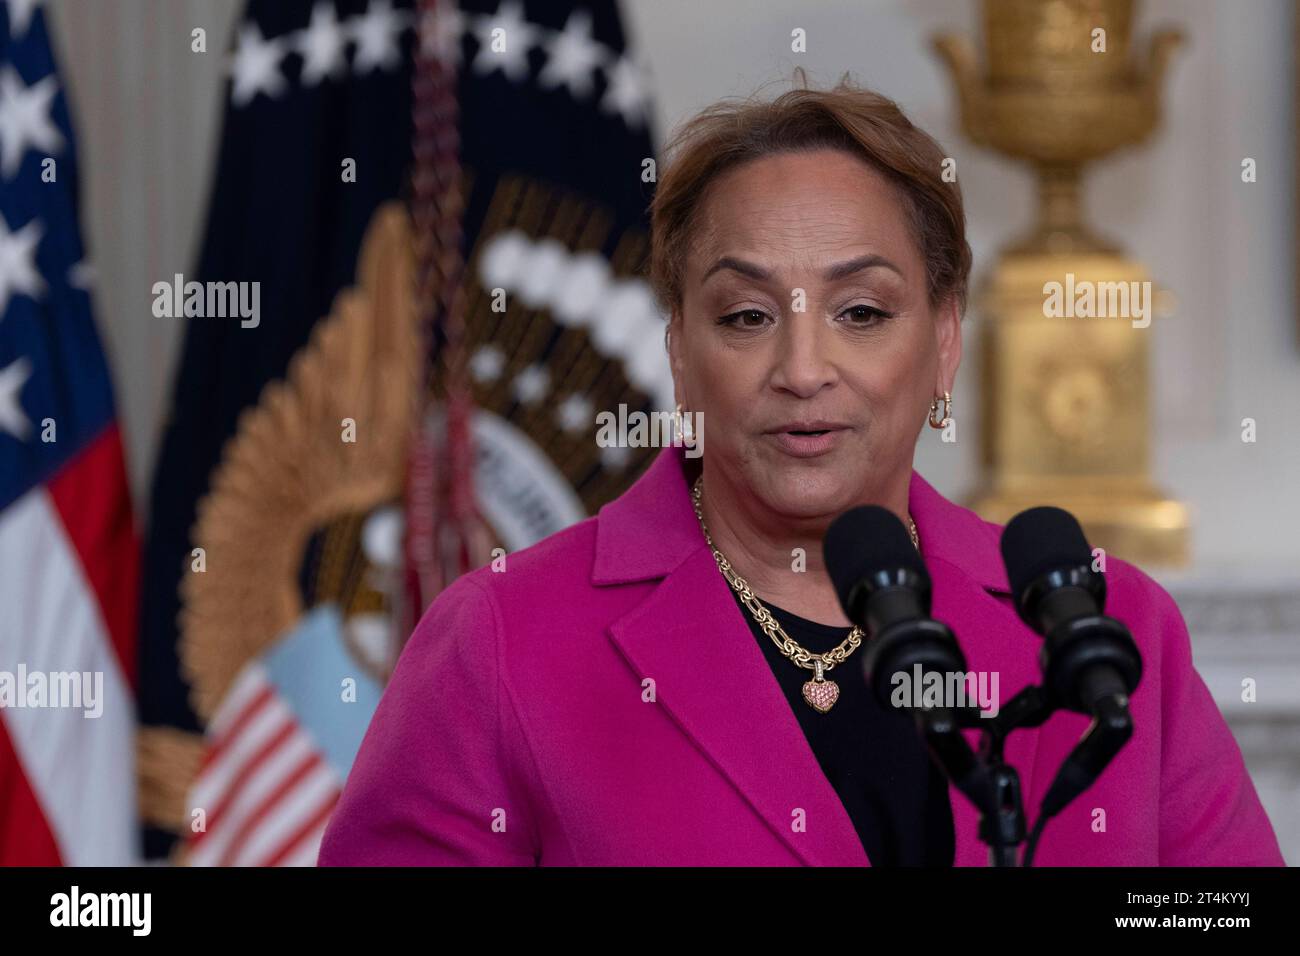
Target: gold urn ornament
x=1066, y=388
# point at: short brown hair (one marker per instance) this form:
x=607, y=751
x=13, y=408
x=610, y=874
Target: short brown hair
x=848, y=117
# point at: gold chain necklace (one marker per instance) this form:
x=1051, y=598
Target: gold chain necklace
x=820, y=693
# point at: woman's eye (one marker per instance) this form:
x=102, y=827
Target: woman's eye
x=742, y=319
x=862, y=316
x=865, y=315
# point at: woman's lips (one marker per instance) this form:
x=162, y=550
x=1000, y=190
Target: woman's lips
x=801, y=443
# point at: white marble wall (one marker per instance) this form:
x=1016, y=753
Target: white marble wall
x=1246, y=644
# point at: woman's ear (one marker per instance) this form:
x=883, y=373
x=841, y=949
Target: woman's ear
x=673, y=342
x=948, y=336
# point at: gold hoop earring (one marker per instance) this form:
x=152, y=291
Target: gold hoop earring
x=683, y=427
x=947, y=411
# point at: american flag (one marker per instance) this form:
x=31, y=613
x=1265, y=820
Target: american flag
x=68, y=551
x=261, y=765
x=281, y=744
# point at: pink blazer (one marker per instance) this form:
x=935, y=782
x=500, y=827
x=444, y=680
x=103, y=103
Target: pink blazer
x=518, y=727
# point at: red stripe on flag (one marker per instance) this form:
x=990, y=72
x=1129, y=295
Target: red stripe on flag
x=246, y=771
x=91, y=496
x=25, y=837
x=269, y=802
x=219, y=747
x=306, y=830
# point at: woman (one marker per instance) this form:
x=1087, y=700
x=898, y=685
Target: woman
x=612, y=699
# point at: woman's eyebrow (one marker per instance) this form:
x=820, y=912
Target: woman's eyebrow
x=747, y=269
x=843, y=270
x=840, y=270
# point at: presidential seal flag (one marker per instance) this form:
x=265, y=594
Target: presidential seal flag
x=315, y=136
x=68, y=550
x=292, y=566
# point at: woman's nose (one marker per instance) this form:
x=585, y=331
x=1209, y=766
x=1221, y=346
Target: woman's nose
x=803, y=363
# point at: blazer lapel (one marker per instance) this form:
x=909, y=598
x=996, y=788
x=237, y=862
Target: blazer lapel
x=714, y=682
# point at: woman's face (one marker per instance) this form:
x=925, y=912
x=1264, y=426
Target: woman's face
x=806, y=337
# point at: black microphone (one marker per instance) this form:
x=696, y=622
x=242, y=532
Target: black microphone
x=1090, y=662
x=1086, y=656
x=884, y=588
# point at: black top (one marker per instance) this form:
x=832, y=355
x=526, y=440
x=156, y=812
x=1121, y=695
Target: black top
x=872, y=755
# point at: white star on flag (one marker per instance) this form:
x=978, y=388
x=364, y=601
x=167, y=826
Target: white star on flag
x=20, y=16
x=627, y=93
x=255, y=67
x=518, y=38
x=12, y=378
x=440, y=33
x=25, y=119
x=572, y=55
x=376, y=33
x=18, y=273
x=322, y=44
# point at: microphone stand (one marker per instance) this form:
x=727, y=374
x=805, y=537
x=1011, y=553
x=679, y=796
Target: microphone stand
x=993, y=785
x=987, y=780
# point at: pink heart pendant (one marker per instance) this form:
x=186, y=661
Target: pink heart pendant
x=821, y=694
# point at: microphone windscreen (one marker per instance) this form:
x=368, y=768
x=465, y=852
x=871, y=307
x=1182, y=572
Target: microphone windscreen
x=1039, y=540
x=865, y=540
